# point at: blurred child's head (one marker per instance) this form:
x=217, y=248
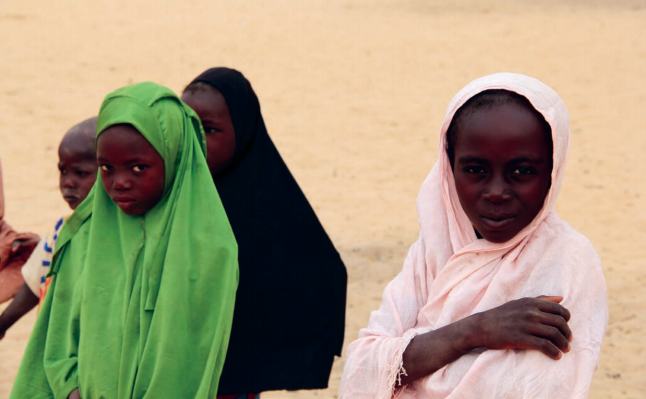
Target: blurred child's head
x=500, y=150
x=132, y=170
x=212, y=108
x=77, y=162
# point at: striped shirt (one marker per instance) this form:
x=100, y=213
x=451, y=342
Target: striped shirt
x=37, y=266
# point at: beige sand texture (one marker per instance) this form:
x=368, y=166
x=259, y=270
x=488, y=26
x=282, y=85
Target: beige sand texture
x=353, y=93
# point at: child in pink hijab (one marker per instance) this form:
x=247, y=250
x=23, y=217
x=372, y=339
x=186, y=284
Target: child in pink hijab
x=498, y=297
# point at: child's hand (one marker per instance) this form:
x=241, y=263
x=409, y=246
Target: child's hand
x=22, y=248
x=527, y=323
x=74, y=395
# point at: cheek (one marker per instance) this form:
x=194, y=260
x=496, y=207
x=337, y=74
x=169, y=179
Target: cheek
x=106, y=185
x=88, y=182
x=533, y=195
x=153, y=187
x=106, y=180
x=468, y=193
x=219, y=149
x=212, y=147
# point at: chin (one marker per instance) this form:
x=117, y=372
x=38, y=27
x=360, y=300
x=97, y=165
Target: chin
x=498, y=237
x=131, y=210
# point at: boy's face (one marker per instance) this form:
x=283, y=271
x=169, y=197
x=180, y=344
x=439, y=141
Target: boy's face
x=131, y=170
x=77, y=173
x=502, y=169
x=211, y=107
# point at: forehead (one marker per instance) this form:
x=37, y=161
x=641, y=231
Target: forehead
x=81, y=144
x=123, y=141
x=207, y=100
x=502, y=131
x=82, y=160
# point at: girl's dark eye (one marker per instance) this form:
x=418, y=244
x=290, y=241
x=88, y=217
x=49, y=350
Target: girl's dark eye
x=523, y=171
x=138, y=168
x=210, y=130
x=105, y=168
x=474, y=170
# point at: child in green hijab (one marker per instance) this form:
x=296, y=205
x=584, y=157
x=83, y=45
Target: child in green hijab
x=155, y=302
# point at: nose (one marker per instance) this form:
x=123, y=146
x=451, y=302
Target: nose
x=121, y=183
x=497, y=191
x=68, y=182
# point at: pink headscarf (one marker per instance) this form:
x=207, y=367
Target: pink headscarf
x=449, y=274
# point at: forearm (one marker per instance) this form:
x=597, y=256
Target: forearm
x=22, y=303
x=433, y=350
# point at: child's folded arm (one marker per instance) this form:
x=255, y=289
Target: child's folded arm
x=531, y=374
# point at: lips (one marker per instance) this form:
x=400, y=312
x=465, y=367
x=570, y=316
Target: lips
x=123, y=201
x=497, y=222
x=71, y=199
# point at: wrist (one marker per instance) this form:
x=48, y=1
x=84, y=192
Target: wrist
x=471, y=336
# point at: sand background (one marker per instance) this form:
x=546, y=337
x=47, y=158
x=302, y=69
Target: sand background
x=353, y=93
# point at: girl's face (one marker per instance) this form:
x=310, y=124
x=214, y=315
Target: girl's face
x=131, y=170
x=211, y=107
x=502, y=168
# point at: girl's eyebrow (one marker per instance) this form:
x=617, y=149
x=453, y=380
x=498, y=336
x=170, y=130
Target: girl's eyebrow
x=467, y=159
x=211, y=120
x=527, y=159
x=130, y=161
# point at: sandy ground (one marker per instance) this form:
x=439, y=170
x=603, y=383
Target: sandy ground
x=353, y=93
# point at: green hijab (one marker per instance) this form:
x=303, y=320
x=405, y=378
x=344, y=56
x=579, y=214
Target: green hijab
x=156, y=291
x=159, y=289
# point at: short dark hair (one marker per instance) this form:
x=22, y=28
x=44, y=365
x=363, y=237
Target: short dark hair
x=489, y=99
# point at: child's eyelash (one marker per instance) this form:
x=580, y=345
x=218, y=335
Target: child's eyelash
x=523, y=171
x=473, y=170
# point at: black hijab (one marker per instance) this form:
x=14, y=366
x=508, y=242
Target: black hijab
x=290, y=305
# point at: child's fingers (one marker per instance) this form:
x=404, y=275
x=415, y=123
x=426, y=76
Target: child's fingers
x=550, y=298
x=544, y=345
x=559, y=322
x=553, y=334
x=553, y=306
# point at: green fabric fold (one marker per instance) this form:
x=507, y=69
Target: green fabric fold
x=49, y=365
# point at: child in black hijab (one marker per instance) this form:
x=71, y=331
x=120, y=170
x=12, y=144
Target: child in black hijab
x=290, y=305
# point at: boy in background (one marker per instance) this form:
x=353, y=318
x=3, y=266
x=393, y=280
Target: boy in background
x=77, y=174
